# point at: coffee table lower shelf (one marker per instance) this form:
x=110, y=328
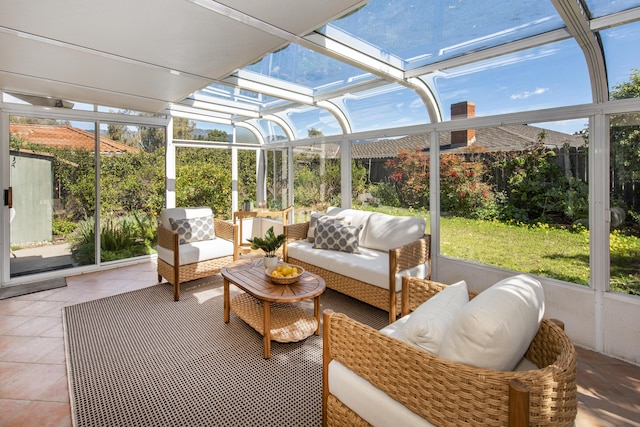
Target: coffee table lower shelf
x=289, y=323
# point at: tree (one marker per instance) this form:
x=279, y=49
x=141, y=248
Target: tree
x=183, y=128
x=152, y=138
x=217, y=135
x=625, y=133
x=116, y=132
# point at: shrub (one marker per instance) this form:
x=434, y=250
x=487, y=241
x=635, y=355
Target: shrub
x=62, y=227
x=120, y=237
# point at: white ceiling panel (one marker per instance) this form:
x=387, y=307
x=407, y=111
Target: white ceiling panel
x=90, y=70
x=295, y=16
x=37, y=87
x=143, y=49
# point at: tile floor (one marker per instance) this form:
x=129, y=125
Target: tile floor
x=33, y=381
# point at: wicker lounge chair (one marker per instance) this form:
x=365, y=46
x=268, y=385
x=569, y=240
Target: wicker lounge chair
x=445, y=393
x=222, y=249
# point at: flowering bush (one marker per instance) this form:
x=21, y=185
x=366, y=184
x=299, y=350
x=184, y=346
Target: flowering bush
x=462, y=189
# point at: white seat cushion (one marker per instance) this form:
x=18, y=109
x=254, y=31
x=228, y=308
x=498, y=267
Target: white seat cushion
x=369, y=266
x=198, y=251
x=427, y=326
x=369, y=402
x=494, y=329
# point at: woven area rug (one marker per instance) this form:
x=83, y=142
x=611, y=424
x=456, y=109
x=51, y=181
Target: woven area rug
x=142, y=359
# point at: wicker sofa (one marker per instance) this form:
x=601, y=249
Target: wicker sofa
x=390, y=247
x=395, y=383
x=193, y=244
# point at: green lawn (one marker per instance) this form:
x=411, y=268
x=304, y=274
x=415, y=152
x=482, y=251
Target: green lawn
x=541, y=250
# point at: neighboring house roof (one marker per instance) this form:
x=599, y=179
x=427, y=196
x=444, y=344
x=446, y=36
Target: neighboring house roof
x=500, y=138
x=68, y=137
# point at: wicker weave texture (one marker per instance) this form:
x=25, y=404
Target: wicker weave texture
x=289, y=323
x=193, y=271
x=224, y=229
x=339, y=415
x=413, y=254
x=452, y=394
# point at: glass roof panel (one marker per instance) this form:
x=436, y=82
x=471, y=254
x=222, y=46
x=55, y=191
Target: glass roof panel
x=548, y=76
x=385, y=107
x=617, y=42
x=423, y=32
x=245, y=136
x=236, y=94
x=599, y=8
x=273, y=132
x=302, y=66
x=312, y=121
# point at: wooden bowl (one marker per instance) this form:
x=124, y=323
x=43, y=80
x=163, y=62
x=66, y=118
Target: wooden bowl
x=279, y=280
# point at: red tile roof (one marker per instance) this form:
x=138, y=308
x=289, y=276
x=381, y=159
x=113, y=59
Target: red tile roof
x=67, y=136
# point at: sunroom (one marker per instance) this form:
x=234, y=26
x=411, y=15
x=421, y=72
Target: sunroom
x=511, y=128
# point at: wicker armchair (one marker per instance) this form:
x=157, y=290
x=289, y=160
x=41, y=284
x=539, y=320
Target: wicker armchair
x=171, y=264
x=446, y=393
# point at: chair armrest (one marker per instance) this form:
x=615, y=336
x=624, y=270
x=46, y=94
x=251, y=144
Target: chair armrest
x=412, y=254
x=416, y=291
x=224, y=229
x=228, y=231
x=167, y=238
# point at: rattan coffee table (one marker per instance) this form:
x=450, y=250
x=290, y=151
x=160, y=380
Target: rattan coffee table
x=267, y=307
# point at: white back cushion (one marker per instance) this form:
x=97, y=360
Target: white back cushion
x=183, y=213
x=427, y=326
x=353, y=216
x=494, y=329
x=384, y=232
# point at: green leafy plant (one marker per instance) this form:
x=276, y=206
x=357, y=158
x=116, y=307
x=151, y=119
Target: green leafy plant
x=120, y=237
x=269, y=244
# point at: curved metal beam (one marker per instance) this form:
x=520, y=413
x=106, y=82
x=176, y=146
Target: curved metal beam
x=339, y=114
x=253, y=129
x=286, y=126
x=574, y=16
x=426, y=94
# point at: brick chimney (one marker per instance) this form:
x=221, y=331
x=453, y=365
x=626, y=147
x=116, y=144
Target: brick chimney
x=463, y=110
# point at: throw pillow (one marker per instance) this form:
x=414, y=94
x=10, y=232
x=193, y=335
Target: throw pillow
x=315, y=217
x=193, y=229
x=429, y=323
x=337, y=237
x=494, y=330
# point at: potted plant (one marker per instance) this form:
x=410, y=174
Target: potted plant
x=269, y=244
x=247, y=205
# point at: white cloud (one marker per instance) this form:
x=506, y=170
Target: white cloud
x=526, y=94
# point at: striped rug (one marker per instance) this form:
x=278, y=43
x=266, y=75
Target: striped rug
x=142, y=359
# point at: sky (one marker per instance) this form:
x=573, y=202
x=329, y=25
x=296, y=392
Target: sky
x=548, y=76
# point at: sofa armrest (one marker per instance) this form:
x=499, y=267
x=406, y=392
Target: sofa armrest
x=440, y=390
x=294, y=232
x=412, y=254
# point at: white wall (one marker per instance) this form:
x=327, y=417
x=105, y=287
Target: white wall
x=575, y=305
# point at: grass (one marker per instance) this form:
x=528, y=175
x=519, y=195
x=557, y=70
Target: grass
x=540, y=249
